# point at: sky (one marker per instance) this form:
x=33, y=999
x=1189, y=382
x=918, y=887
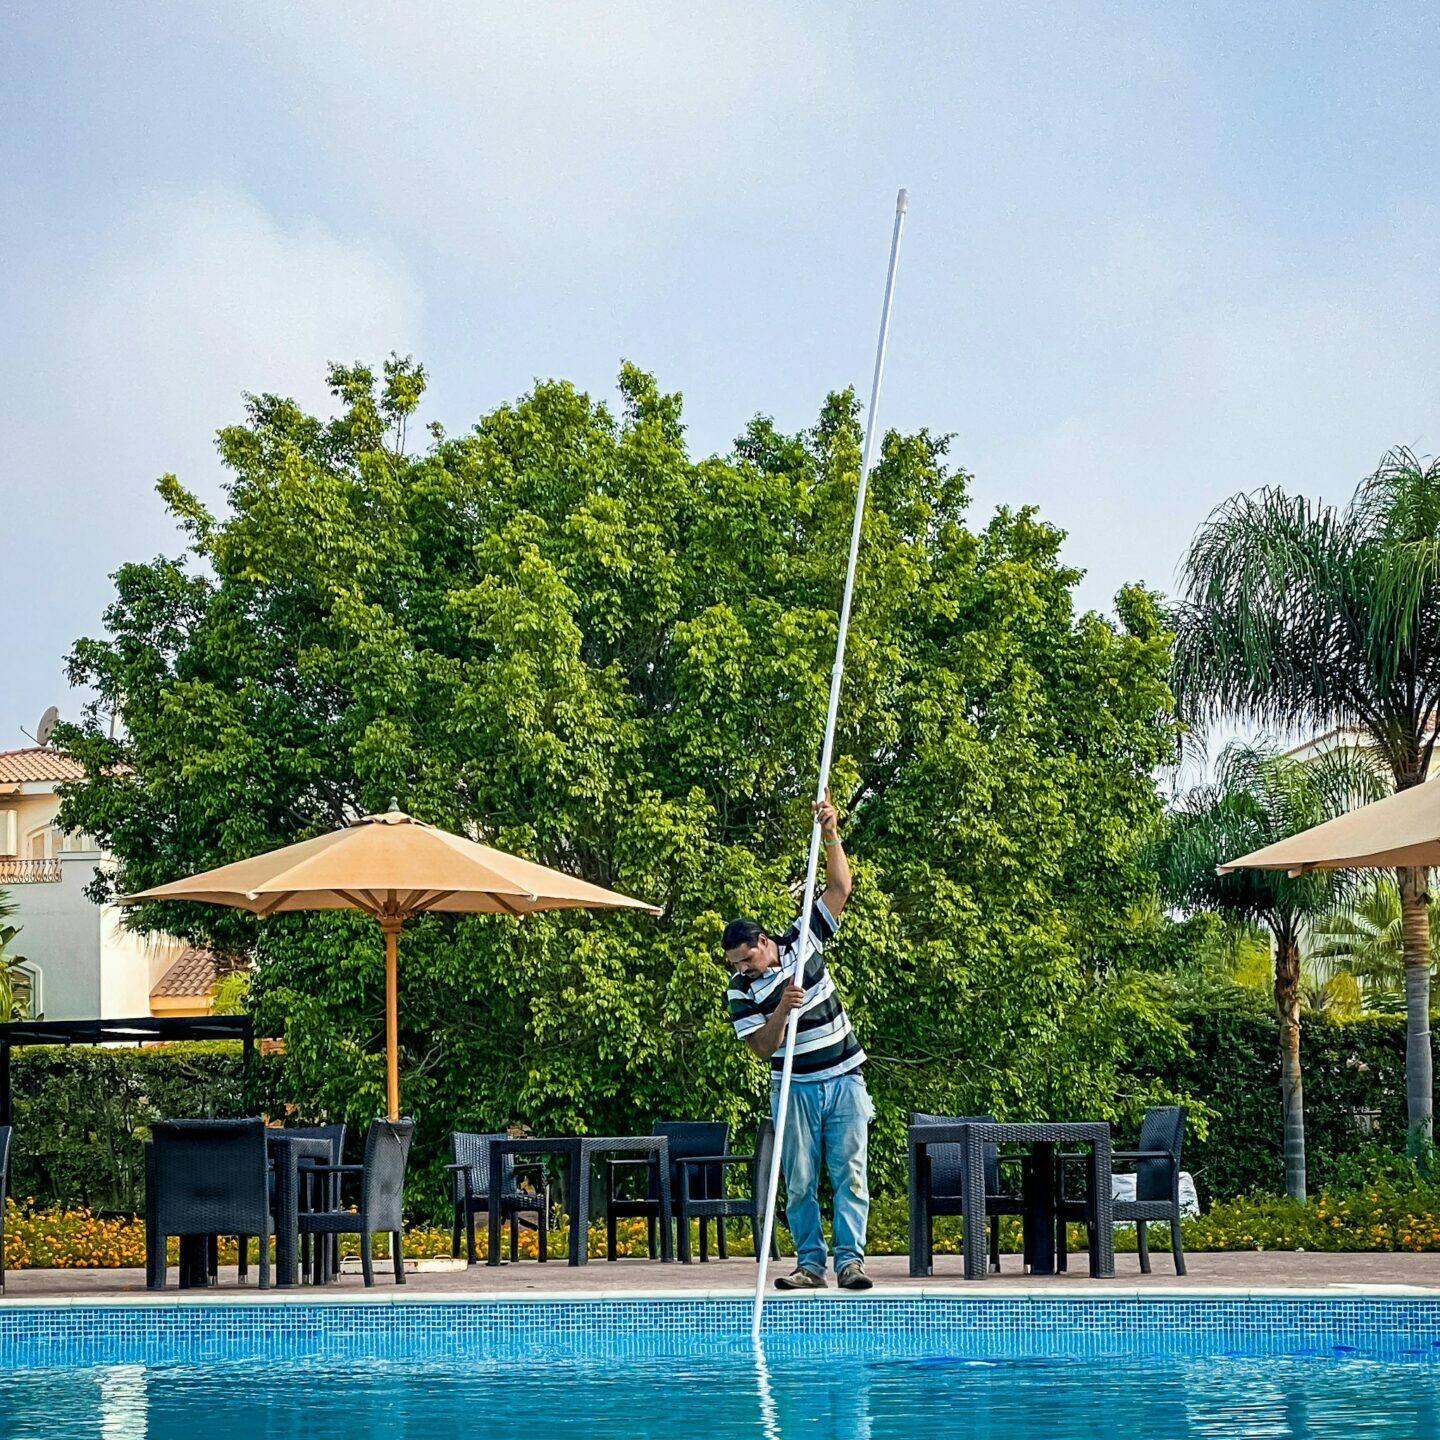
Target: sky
x=1155, y=254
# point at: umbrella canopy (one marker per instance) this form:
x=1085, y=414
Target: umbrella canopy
x=1401, y=829
x=393, y=867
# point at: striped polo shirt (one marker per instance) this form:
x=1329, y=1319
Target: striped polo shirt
x=825, y=1046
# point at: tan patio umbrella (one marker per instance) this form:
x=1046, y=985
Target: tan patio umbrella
x=1401, y=829
x=393, y=867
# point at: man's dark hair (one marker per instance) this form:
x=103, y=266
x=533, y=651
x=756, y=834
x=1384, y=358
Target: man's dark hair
x=741, y=932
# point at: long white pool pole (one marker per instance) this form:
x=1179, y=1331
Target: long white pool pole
x=802, y=948
x=769, y=1413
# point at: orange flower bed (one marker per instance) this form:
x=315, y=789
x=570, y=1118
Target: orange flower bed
x=37, y=1239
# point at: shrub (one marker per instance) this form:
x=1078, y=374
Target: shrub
x=1354, y=1096
x=82, y=1115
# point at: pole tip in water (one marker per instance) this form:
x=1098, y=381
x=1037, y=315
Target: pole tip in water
x=902, y=200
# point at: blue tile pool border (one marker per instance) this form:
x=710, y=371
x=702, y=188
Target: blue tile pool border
x=86, y=1334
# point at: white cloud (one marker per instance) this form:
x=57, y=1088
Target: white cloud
x=568, y=130
x=199, y=297
x=135, y=352
x=1238, y=371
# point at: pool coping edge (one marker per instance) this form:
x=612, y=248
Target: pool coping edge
x=305, y=1296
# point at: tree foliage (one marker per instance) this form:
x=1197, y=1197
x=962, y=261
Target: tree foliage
x=1260, y=796
x=1303, y=615
x=1363, y=937
x=561, y=634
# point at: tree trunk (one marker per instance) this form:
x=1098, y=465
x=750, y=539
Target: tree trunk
x=1419, y=1066
x=1292, y=1087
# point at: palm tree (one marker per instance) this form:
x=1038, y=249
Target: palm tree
x=1297, y=615
x=1366, y=937
x=1258, y=797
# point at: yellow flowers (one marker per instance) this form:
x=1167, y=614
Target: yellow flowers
x=70, y=1239
x=78, y=1239
x=1381, y=1217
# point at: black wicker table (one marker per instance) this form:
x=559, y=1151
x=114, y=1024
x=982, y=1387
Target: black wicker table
x=566, y=1145
x=286, y=1152
x=654, y=1145
x=579, y=1151
x=1042, y=1139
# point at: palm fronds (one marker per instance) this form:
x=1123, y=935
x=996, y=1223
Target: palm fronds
x=1298, y=615
x=1259, y=796
x=1363, y=936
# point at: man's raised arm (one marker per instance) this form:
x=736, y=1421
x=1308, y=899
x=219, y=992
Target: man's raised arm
x=837, y=867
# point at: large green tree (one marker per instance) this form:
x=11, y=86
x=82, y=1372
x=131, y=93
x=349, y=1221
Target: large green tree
x=1298, y=615
x=560, y=633
x=1260, y=796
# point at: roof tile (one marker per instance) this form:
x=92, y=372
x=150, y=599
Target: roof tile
x=39, y=762
x=193, y=973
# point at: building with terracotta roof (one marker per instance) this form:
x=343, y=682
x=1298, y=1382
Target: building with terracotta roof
x=80, y=962
x=38, y=763
x=188, y=986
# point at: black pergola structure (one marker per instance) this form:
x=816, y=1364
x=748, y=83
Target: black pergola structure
x=145, y=1029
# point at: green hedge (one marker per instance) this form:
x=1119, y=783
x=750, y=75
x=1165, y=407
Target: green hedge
x=82, y=1115
x=1354, y=1078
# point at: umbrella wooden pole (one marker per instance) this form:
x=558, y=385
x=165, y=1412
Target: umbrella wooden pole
x=803, y=944
x=392, y=1019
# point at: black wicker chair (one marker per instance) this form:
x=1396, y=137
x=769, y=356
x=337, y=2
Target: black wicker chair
x=1156, y=1159
x=382, y=1192
x=470, y=1180
x=694, y=1200
x=335, y=1134
x=947, y=1180
x=686, y=1139
x=205, y=1178
x=4, y=1190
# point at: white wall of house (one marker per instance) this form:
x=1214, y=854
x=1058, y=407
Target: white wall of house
x=130, y=964
x=60, y=937
x=89, y=966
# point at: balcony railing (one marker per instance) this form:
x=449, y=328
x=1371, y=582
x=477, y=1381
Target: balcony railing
x=28, y=872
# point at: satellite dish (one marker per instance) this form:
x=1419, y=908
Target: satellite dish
x=46, y=728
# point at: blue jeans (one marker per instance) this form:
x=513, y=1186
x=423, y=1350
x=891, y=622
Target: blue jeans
x=832, y=1116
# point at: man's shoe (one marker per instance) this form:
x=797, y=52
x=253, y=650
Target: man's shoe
x=801, y=1279
x=853, y=1277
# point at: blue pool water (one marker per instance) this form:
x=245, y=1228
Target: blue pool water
x=1001, y=1372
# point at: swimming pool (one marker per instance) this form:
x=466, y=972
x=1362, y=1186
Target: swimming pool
x=1001, y=1369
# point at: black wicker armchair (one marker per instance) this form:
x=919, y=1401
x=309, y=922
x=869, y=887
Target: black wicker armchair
x=1156, y=1160
x=205, y=1178
x=4, y=1191
x=947, y=1175
x=686, y=1139
x=470, y=1181
x=698, y=1198
x=382, y=1192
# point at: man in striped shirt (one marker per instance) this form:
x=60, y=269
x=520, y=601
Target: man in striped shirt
x=830, y=1109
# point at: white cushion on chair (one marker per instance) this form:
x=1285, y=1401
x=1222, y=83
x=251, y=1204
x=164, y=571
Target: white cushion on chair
x=1122, y=1187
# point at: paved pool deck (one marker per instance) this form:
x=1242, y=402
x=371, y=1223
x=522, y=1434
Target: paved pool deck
x=1233, y=1274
